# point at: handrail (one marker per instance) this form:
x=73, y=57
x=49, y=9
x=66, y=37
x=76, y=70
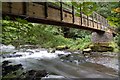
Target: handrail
x=98, y=18
x=66, y=13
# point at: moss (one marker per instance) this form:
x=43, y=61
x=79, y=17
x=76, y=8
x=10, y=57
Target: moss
x=104, y=47
x=62, y=47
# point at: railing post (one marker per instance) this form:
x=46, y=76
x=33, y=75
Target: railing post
x=46, y=9
x=24, y=8
x=97, y=20
x=73, y=14
x=93, y=19
x=81, y=15
x=87, y=21
x=10, y=6
x=101, y=22
x=61, y=10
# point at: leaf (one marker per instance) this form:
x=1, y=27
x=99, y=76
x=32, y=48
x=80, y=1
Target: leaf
x=22, y=20
x=7, y=18
x=30, y=25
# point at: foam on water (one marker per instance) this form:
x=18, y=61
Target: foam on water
x=7, y=48
x=35, y=55
x=62, y=52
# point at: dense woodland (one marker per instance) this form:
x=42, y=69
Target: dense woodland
x=22, y=32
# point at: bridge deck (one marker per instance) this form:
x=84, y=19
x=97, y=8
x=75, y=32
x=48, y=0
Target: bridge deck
x=47, y=13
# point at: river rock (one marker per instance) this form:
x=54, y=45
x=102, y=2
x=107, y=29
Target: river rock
x=5, y=63
x=35, y=74
x=10, y=68
x=29, y=46
x=11, y=55
x=101, y=47
x=63, y=47
x=51, y=50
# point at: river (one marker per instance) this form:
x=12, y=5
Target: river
x=63, y=64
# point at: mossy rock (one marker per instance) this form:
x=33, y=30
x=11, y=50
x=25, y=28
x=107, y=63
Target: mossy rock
x=101, y=44
x=62, y=47
x=101, y=47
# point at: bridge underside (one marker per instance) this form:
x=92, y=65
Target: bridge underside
x=48, y=14
x=51, y=22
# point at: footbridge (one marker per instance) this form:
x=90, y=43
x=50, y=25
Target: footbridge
x=52, y=14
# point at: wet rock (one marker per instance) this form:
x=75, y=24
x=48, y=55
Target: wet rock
x=41, y=73
x=10, y=68
x=31, y=72
x=35, y=75
x=51, y=50
x=5, y=63
x=29, y=46
x=101, y=47
x=73, y=58
x=11, y=55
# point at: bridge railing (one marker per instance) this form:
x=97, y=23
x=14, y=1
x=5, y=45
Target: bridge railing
x=59, y=13
x=94, y=17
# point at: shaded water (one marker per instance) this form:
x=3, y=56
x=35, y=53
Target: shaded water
x=62, y=63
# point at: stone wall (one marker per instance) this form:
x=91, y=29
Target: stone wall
x=101, y=38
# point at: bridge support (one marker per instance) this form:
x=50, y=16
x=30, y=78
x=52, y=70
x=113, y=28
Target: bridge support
x=101, y=41
x=102, y=37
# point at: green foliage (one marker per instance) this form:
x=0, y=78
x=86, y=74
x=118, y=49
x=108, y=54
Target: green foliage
x=86, y=7
x=21, y=32
x=108, y=10
x=15, y=32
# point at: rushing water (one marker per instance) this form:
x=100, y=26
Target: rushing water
x=62, y=64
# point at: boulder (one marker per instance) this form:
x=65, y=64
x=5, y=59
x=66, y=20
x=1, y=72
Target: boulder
x=5, y=63
x=10, y=68
x=35, y=74
x=101, y=47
